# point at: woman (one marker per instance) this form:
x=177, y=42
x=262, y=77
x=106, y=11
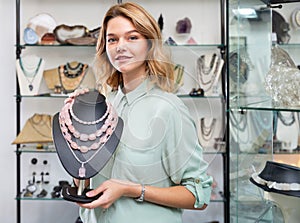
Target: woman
x=158, y=168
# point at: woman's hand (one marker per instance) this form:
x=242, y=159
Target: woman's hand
x=112, y=190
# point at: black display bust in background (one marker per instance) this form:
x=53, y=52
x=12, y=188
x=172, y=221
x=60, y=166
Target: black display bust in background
x=88, y=107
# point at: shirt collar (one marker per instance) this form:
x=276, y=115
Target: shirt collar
x=138, y=92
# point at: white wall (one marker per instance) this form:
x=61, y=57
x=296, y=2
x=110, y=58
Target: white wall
x=7, y=114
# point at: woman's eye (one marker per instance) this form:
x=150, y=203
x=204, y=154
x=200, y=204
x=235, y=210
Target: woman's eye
x=111, y=40
x=133, y=37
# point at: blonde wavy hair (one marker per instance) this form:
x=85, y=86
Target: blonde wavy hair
x=159, y=67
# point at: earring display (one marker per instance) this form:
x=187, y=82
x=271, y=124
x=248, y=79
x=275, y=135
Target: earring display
x=57, y=189
x=209, y=68
x=30, y=72
x=31, y=186
x=86, y=133
x=70, y=76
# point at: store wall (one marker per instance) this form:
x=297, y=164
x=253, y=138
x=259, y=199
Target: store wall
x=7, y=111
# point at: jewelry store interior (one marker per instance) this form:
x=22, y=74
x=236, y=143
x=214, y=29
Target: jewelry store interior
x=236, y=68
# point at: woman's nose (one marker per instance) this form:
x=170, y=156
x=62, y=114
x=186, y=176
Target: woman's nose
x=121, y=46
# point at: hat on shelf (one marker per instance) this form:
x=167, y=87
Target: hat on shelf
x=278, y=178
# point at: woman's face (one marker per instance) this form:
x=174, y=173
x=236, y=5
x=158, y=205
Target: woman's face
x=126, y=48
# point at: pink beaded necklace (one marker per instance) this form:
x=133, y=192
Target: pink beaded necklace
x=103, y=133
x=67, y=127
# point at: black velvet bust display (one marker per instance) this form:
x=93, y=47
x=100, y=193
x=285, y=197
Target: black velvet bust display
x=88, y=107
x=279, y=173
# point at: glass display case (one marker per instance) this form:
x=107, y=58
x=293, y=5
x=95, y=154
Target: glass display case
x=263, y=123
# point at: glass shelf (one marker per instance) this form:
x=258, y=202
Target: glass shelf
x=50, y=95
x=46, y=95
x=212, y=151
x=289, y=45
x=218, y=197
x=93, y=46
x=262, y=103
x=37, y=151
x=39, y=199
x=54, y=45
x=34, y=149
x=198, y=97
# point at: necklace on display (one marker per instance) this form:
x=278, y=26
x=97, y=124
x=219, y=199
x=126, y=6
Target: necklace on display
x=41, y=124
x=287, y=120
x=104, y=133
x=89, y=122
x=71, y=78
x=207, y=130
x=72, y=72
x=30, y=71
x=210, y=71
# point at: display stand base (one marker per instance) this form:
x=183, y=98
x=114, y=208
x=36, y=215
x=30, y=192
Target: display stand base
x=71, y=194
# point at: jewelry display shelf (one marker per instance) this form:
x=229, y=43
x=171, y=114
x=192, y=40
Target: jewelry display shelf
x=255, y=136
x=49, y=188
x=59, y=51
x=195, y=46
x=218, y=198
x=289, y=45
x=46, y=95
x=33, y=149
x=199, y=97
x=39, y=199
x=263, y=103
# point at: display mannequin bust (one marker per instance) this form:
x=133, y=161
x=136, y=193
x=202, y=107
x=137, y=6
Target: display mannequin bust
x=281, y=185
x=70, y=76
x=30, y=70
x=86, y=133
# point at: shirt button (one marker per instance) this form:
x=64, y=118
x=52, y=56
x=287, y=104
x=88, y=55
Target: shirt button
x=197, y=181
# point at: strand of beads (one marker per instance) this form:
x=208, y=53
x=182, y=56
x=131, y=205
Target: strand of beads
x=103, y=133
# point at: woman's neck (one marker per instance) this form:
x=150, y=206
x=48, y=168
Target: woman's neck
x=130, y=85
x=133, y=79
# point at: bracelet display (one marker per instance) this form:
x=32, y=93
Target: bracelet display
x=141, y=198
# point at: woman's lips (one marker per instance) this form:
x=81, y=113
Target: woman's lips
x=122, y=58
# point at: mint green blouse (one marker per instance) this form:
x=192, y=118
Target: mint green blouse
x=159, y=147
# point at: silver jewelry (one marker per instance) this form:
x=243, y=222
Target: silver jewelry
x=210, y=72
x=287, y=120
x=207, y=130
x=142, y=196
